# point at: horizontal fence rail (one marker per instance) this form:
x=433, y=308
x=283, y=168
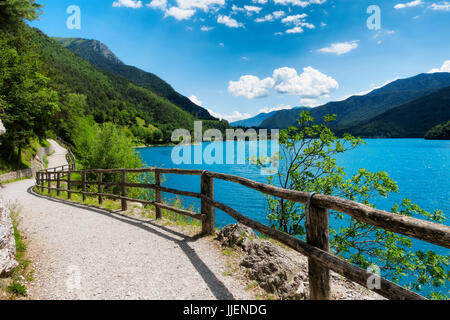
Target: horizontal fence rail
x=316, y=247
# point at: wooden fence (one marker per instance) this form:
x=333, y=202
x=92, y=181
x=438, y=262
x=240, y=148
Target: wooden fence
x=316, y=247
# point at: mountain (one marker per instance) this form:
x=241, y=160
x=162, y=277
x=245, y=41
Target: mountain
x=109, y=97
x=261, y=117
x=100, y=56
x=253, y=121
x=359, y=108
x=410, y=120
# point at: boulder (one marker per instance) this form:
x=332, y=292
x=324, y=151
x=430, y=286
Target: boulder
x=275, y=272
x=236, y=235
x=7, y=244
x=2, y=128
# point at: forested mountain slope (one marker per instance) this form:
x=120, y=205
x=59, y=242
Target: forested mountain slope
x=360, y=108
x=100, y=56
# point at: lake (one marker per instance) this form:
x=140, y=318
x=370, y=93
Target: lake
x=420, y=167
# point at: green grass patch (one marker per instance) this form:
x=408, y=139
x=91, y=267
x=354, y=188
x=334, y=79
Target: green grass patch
x=17, y=289
x=14, y=180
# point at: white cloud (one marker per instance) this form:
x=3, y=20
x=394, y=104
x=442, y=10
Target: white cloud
x=310, y=84
x=205, y=5
x=301, y=3
x=299, y=23
x=271, y=16
x=196, y=100
x=295, y=30
x=234, y=116
x=414, y=3
x=128, y=4
x=229, y=22
x=260, y=1
x=267, y=17
x=277, y=108
x=340, y=48
x=294, y=19
x=206, y=29
x=278, y=14
x=252, y=9
x=444, y=68
x=158, y=4
x=179, y=14
x=235, y=8
x=308, y=102
x=250, y=87
x=441, y=6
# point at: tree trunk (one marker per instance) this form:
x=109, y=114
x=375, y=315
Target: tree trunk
x=19, y=156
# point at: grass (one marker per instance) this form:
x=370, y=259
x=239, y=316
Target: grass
x=14, y=180
x=15, y=286
x=147, y=211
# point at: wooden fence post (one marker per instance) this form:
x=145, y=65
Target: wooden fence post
x=58, y=183
x=207, y=189
x=158, y=195
x=69, y=185
x=41, y=181
x=83, y=184
x=318, y=234
x=100, y=187
x=124, y=190
x=49, y=183
x=37, y=178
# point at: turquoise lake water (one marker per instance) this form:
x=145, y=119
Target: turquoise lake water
x=420, y=167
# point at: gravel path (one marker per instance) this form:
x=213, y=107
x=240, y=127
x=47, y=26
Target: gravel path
x=85, y=253
x=58, y=158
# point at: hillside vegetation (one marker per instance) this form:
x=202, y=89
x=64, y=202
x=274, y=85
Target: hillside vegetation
x=411, y=120
x=100, y=56
x=439, y=132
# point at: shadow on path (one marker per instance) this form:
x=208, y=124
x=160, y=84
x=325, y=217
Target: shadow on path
x=219, y=290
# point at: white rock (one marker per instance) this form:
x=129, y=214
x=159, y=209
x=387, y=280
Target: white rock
x=2, y=128
x=7, y=244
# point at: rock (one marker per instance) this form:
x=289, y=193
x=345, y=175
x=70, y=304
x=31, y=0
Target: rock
x=236, y=235
x=7, y=244
x=273, y=270
x=2, y=128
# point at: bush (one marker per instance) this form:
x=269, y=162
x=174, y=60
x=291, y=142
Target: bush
x=17, y=289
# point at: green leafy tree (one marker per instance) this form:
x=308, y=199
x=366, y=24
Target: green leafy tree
x=108, y=146
x=308, y=163
x=13, y=12
x=26, y=101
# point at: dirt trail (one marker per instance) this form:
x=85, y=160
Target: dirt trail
x=84, y=253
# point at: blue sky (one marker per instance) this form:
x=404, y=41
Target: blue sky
x=238, y=58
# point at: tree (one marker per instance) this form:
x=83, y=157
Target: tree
x=308, y=163
x=105, y=146
x=439, y=132
x=13, y=12
x=26, y=101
